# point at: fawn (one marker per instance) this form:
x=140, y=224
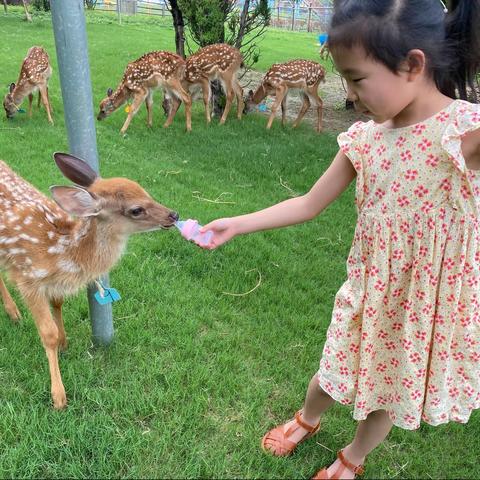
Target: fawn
x=149, y=72
x=48, y=254
x=34, y=75
x=219, y=61
x=304, y=75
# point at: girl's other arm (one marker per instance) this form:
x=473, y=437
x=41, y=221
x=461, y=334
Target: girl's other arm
x=471, y=149
x=289, y=212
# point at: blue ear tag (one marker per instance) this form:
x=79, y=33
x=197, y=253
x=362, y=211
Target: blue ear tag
x=21, y=110
x=262, y=107
x=106, y=295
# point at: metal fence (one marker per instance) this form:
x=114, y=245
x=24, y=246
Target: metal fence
x=288, y=14
x=301, y=17
x=132, y=7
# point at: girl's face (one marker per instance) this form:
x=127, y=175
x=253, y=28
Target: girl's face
x=375, y=90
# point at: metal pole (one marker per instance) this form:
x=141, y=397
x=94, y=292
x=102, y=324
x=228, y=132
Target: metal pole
x=119, y=11
x=68, y=20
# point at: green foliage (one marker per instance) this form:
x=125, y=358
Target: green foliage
x=206, y=19
x=41, y=5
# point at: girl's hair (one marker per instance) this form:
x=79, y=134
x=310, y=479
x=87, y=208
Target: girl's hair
x=389, y=29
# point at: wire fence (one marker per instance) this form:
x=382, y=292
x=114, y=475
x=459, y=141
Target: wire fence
x=288, y=14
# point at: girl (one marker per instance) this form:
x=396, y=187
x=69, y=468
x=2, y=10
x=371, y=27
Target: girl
x=404, y=341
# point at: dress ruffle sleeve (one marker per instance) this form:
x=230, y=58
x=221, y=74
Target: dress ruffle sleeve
x=467, y=120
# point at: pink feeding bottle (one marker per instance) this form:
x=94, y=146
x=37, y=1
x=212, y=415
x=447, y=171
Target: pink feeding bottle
x=190, y=230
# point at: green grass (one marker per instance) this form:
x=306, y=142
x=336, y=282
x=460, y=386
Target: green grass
x=194, y=377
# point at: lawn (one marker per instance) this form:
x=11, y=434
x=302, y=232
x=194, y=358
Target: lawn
x=195, y=376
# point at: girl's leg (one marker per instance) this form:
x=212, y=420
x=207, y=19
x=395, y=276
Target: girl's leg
x=283, y=439
x=370, y=433
x=316, y=402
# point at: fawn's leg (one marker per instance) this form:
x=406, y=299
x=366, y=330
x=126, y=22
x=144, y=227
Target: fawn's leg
x=284, y=111
x=48, y=98
x=48, y=331
x=44, y=95
x=230, y=94
x=56, y=304
x=137, y=101
x=303, y=110
x=8, y=303
x=206, y=98
x=239, y=93
x=319, y=104
x=187, y=101
x=279, y=96
x=174, y=105
x=149, y=105
x=30, y=100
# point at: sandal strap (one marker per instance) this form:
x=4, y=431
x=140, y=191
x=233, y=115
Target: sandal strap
x=356, y=469
x=306, y=426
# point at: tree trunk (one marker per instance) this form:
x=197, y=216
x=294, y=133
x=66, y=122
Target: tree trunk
x=28, y=18
x=243, y=22
x=179, y=26
x=218, y=98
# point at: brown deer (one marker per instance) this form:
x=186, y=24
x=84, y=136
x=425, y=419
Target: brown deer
x=151, y=71
x=34, y=75
x=219, y=61
x=48, y=254
x=304, y=75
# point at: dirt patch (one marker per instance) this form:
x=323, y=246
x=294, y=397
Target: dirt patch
x=335, y=117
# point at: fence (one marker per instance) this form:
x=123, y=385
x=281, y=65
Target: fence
x=301, y=16
x=132, y=7
x=285, y=14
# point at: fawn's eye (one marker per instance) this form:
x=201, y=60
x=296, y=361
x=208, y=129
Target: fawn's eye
x=137, y=211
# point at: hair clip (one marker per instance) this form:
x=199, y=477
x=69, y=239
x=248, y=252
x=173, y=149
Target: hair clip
x=445, y=9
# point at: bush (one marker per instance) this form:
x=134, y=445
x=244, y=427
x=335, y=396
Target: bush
x=43, y=5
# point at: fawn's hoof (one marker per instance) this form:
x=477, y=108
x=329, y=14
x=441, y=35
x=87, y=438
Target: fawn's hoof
x=13, y=312
x=59, y=401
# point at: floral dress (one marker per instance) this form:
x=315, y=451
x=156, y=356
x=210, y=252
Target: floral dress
x=405, y=330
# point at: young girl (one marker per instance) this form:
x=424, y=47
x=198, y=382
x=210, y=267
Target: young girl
x=404, y=341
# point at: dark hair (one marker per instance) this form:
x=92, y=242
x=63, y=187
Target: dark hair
x=389, y=29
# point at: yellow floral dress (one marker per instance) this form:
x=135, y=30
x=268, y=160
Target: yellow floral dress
x=405, y=330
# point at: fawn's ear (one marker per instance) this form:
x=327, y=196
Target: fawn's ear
x=76, y=201
x=11, y=87
x=76, y=170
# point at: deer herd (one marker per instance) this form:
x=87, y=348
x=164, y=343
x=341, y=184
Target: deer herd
x=51, y=248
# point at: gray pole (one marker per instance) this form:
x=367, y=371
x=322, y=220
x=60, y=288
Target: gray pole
x=68, y=20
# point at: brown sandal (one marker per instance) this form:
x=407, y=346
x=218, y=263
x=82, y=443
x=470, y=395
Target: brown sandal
x=279, y=445
x=356, y=469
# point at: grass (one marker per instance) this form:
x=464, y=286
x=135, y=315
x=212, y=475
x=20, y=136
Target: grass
x=194, y=377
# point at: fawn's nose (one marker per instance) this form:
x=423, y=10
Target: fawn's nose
x=173, y=216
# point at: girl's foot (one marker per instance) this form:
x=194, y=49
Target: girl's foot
x=282, y=440
x=340, y=469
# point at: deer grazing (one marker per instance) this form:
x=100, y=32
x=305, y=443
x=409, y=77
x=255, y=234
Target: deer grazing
x=304, y=75
x=48, y=254
x=219, y=61
x=151, y=71
x=34, y=75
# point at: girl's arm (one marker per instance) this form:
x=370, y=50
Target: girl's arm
x=471, y=149
x=289, y=212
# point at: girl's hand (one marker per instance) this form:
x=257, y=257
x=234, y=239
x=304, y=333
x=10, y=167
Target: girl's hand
x=223, y=230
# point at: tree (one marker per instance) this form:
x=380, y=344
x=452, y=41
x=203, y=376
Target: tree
x=178, y=24
x=220, y=21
